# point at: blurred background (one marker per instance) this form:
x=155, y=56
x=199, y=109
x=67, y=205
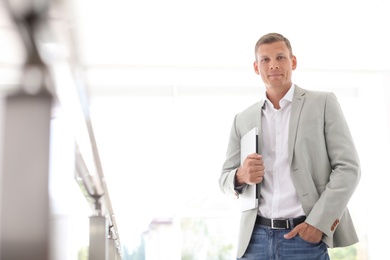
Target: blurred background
x=144, y=94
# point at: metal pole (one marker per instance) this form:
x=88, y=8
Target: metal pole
x=98, y=238
x=112, y=249
x=24, y=199
x=24, y=182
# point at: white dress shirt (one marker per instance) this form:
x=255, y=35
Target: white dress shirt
x=279, y=198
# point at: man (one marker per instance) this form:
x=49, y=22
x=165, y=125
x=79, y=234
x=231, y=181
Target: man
x=307, y=165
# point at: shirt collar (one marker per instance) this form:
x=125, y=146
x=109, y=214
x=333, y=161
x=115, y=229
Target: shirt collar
x=290, y=93
x=288, y=97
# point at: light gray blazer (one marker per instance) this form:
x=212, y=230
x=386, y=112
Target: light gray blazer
x=325, y=166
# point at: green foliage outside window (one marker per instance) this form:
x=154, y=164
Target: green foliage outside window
x=199, y=243
x=344, y=253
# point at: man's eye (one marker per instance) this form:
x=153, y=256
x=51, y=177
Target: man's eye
x=281, y=57
x=264, y=60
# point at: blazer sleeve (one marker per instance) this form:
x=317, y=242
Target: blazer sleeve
x=242, y=123
x=345, y=170
x=232, y=162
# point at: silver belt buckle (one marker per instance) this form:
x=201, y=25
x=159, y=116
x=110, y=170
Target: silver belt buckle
x=287, y=224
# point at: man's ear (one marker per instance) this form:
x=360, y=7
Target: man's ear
x=294, y=62
x=256, y=68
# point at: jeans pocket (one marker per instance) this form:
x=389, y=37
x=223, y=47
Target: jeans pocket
x=307, y=242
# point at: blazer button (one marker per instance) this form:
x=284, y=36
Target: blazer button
x=334, y=225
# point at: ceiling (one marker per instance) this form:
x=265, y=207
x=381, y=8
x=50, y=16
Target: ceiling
x=121, y=43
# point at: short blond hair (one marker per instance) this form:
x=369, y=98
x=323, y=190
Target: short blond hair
x=271, y=38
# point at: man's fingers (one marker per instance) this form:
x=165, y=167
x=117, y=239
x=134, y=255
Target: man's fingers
x=252, y=171
x=255, y=179
x=254, y=156
x=292, y=233
x=254, y=159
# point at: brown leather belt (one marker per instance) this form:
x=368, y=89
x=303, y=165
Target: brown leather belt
x=289, y=223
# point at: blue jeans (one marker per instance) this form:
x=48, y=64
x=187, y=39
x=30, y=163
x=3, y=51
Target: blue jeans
x=269, y=244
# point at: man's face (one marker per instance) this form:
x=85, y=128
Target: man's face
x=275, y=65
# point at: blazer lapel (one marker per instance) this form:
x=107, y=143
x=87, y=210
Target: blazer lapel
x=259, y=128
x=296, y=108
x=259, y=142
